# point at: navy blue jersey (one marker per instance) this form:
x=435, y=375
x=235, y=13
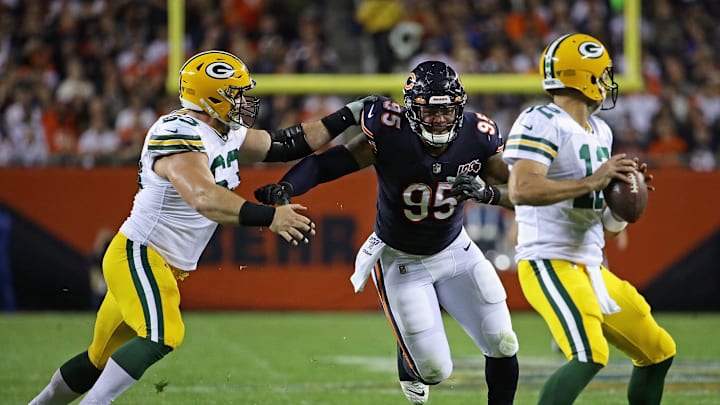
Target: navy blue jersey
x=413, y=213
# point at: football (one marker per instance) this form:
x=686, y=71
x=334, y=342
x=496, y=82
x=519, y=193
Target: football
x=627, y=200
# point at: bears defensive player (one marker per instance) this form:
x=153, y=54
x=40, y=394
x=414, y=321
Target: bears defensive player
x=430, y=157
x=560, y=157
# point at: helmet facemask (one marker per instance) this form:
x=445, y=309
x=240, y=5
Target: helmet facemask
x=426, y=120
x=607, y=85
x=243, y=109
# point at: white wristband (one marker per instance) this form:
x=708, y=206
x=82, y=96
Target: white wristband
x=611, y=222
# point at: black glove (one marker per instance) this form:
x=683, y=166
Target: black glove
x=275, y=194
x=467, y=187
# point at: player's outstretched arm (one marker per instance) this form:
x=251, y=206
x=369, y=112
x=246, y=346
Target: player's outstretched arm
x=317, y=169
x=188, y=172
x=288, y=144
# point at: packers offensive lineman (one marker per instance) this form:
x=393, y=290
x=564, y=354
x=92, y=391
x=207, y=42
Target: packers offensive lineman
x=427, y=156
x=188, y=166
x=560, y=161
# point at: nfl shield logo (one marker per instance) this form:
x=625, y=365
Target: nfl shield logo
x=437, y=168
x=402, y=269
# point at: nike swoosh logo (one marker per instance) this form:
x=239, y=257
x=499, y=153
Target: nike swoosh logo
x=173, y=130
x=371, y=113
x=528, y=127
x=467, y=247
x=418, y=393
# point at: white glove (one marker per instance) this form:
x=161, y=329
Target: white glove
x=356, y=107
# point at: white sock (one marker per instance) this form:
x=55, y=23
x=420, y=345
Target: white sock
x=112, y=382
x=56, y=392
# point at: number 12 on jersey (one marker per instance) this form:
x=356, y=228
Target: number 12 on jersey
x=591, y=200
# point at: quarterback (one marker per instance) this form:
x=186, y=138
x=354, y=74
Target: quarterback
x=560, y=161
x=430, y=157
x=188, y=167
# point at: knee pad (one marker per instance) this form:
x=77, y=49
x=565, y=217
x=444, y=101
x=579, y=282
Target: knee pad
x=505, y=345
x=432, y=374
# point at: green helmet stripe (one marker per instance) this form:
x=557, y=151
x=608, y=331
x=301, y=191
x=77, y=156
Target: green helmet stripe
x=549, y=62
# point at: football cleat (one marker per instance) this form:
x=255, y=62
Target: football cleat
x=415, y=391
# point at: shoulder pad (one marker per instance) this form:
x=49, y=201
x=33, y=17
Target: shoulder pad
x=175, y=133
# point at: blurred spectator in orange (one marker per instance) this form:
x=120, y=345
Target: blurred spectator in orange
x=526, y=19
x=60, y=128
x=243, y=15
x=666, y=146
x=424, y=13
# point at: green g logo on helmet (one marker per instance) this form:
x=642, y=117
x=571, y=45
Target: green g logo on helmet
x=591, y=50
x=219, y=70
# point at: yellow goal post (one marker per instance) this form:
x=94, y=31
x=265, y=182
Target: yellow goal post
x=361, y=84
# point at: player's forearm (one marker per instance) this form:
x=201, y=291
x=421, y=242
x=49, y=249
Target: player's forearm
x=317, y=134
x=540, y=190
x=316, y=169
x=218, y=204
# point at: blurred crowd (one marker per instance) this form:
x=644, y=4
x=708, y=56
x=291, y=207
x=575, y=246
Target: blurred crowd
x=82, y=80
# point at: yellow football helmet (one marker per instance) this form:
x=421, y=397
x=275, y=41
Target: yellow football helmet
x=580, y=62
x=215, y=82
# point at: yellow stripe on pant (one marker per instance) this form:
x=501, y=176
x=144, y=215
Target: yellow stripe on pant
x=142, y=300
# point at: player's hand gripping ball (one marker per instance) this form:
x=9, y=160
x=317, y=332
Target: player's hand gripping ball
x=627, y=200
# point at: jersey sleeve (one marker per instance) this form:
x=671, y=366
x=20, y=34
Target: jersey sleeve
x=170, y=136
x=533, y=136
x=486, y=127
x=371, y=121
x=485, y=130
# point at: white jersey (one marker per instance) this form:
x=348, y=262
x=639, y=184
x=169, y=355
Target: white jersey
x=160, y=218
x=570, y=229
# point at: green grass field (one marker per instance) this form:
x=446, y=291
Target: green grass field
x=332, y=358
